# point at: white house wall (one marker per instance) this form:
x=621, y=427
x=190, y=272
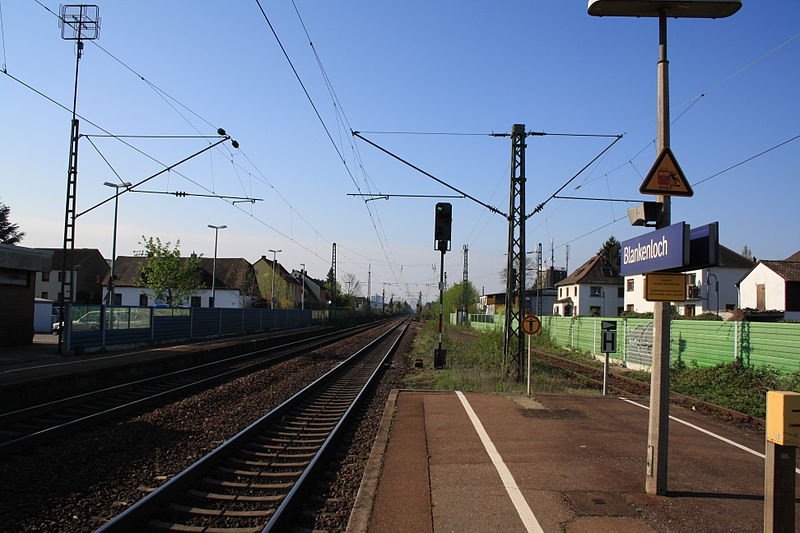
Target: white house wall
x=609, y=303
x=774, y=287
x=225, y=297
x=728, y=295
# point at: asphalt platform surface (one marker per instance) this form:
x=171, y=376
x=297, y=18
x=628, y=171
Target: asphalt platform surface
x=554, y=463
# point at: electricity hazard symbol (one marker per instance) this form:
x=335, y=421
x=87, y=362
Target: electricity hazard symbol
x=666, y=177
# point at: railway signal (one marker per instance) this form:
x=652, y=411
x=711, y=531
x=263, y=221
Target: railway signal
x=441, y=235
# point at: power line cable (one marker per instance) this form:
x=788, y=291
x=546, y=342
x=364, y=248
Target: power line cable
x=746, y=160
x=322, y=122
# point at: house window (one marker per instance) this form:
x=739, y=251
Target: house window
x=629, y=307
x=575, y=291
x=595, y=291
x=629, y=284
x=620, y=292
x=45, y=277
x=688, y=310
x=60, y=275
x=559, y=292
x=196, y=302
x=44, y=295
x=142, y=300
x=117, y=298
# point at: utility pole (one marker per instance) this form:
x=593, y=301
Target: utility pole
x=383, y=299
x=369, y=287
x=514, y=343
x=566, y=265
x=78, y=23
x=333, y=270
x=464, y=282
x=658, y=423
x=539, y=280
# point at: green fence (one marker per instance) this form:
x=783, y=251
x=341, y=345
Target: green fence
x=706, y=343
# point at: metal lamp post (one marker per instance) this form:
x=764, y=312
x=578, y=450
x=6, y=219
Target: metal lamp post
x=657, y=437
x=303, y=286
x=716, y=288
x=117, y=187
x=214, y=267
x=272, y=290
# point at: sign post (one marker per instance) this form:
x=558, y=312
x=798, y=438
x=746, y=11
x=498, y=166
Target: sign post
x=608, y=345
x=530, y=325
x=783, y=437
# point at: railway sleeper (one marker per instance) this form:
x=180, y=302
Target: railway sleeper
x=260, y=486
x=159, y=525
x=288, y=462
x=245, y=474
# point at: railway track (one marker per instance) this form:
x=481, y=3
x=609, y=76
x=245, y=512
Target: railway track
x=627, y=386
x=24, y=428
x=252, y=481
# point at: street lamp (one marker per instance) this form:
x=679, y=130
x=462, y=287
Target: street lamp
x=272, y=290
x=303, y=286
x=117, y=187
x=213, y=302
x=716, y=288
x=658, y=424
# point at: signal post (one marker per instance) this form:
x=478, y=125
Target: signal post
x=441, y=237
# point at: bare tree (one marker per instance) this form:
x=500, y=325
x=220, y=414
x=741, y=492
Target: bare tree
x=352, y=286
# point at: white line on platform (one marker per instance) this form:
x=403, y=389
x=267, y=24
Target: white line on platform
x=524, y=510
x=707, y=432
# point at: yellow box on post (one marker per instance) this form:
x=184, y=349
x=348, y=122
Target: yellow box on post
x=783, y=417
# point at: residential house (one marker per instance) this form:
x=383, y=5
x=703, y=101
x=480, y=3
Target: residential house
x=88, y=268
x=287, y=289
x=314, y=292
x=593, y=289
x=711, y=289
x=235, y=285
x=773, y=286
x=19, y=267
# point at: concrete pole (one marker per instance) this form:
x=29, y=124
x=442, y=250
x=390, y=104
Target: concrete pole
x=658, y=426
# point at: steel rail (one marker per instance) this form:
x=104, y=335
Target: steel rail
x=125, y=394
x=142, y=514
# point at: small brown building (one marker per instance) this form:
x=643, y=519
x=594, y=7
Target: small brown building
x=18, y=268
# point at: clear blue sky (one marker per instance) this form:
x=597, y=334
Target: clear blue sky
x=470, y=67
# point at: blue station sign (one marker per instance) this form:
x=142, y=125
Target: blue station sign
x=662, y=249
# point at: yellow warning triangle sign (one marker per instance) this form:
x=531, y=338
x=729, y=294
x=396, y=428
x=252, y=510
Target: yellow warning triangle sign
x=666, y=177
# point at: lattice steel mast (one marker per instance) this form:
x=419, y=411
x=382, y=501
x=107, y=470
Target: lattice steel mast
x=513, y=345
x=78, y=23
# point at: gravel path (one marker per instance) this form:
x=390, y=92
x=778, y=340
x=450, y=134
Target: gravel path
x=79, y=482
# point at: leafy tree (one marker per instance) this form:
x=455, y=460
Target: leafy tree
x=610, y=250
x=171, y=278
x=9, y=233
x=338, y=298
x=452, y=300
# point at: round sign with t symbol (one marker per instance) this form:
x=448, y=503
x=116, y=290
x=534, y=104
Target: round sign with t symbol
x=531, y=324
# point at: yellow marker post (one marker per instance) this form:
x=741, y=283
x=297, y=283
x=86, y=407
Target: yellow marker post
x=783, y=437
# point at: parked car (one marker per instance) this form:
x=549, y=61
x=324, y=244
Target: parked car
x=89, y=321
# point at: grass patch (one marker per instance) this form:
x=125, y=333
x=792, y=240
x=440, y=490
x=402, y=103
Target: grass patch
x=475, y=364
x=732, y=385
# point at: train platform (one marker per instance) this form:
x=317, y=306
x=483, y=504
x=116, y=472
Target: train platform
x=453, y=462
x=38, y=371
